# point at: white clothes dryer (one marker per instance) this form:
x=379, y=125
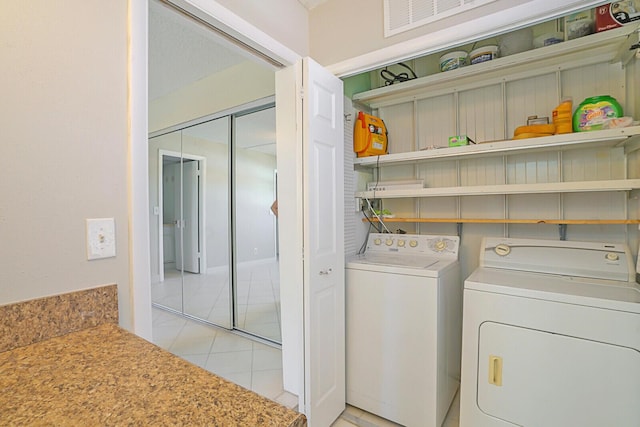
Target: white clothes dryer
x=551, y=336
x=403, y=327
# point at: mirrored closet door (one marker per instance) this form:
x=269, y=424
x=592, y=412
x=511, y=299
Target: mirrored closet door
x=214, y=222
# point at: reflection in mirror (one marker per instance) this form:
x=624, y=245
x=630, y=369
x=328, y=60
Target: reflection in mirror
x=207, y=291
x=165, y=235
x=257, y=285
x=189, y=195
x=191, y=222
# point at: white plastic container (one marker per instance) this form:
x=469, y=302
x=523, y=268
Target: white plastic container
x=515, y=42
x=453, y=60
x=548, y=39
x=483, y=54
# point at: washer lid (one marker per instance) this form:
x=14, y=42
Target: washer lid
x=609, y=294
x=400, y=264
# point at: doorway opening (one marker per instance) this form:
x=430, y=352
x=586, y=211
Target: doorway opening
x=216, y=236
x=212, y=121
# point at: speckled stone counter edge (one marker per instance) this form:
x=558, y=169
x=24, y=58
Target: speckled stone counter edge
x=29, y=322
x=106, y=376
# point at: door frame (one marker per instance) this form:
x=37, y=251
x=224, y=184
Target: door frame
x=162, y=153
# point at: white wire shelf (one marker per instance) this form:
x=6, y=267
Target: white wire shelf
x=628, y=137
x=538, y=188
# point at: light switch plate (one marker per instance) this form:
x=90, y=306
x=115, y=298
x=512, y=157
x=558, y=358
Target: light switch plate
x=101, y=238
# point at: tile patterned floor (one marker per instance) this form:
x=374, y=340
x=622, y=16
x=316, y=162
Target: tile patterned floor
x=249, y=363
x=206, y=296
x=246, y=362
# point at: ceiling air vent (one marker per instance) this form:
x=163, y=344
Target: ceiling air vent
x=403, y=15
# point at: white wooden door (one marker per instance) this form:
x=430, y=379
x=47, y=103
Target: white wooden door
x=323, y=189
x=309, y=122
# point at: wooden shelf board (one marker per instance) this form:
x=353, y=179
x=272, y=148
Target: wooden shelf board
x=510, y=221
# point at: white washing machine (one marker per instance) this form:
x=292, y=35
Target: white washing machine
x=403, y=327
x=551, y=336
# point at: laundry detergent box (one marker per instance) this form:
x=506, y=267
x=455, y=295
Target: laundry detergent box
x=579, y=24
x=458, y=140
x=617, y=14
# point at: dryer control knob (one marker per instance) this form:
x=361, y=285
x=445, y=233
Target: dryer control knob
x=413, y=243
x=441, y=245
x=389, y=242
x=502, y=249
x=377, y=241
x=611, y=256
x=401, y=243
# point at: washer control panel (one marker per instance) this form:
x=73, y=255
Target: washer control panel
x=414, y=244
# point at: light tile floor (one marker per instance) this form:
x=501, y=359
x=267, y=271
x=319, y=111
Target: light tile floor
x=249, y=363
x=246, y=362
x=206, y=296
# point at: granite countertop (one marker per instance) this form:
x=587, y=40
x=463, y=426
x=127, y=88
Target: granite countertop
x=105, y=376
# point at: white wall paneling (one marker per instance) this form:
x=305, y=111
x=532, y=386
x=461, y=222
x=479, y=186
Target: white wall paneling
x=482, y=171
x=481, y=114
x=436, y=121
x=351, y=213
x=400, y=117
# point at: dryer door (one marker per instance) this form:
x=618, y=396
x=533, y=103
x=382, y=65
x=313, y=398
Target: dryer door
x=535, y=378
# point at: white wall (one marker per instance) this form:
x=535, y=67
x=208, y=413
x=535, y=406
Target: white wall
x=234, y=86
x=284, y=20
x=348, y=36
x=64, y=133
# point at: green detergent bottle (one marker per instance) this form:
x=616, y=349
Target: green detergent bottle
x=593, y=113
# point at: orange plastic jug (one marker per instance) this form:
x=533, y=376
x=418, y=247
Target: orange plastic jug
x=562, y=117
